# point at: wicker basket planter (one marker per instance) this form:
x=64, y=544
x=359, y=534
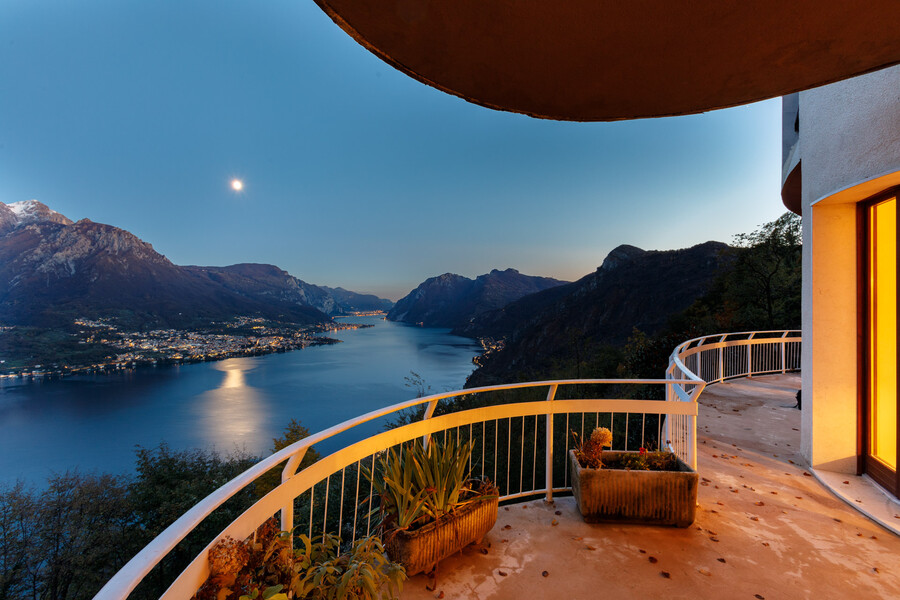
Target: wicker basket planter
x=420, y=550
x=649, y=497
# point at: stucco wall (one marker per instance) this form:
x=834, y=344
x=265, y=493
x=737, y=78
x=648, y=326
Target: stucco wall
x=850, y=144
x=850, y=133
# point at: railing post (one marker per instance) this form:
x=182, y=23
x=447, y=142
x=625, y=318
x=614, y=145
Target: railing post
x=551, y=395
x=750, y=357
x=429, y=412
x=290, y=469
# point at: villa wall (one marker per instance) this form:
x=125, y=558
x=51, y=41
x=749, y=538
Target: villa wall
x=849, y=144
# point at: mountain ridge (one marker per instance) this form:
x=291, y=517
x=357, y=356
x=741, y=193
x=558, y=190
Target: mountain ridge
x=632, y=288
x=53, y=271
x=450, y=300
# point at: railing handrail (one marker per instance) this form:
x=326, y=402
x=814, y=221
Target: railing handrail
x=123, y=582
x=702, y=344
x=127, y=578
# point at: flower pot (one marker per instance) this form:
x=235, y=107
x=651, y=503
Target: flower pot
x=631, y=496
x=420, y=550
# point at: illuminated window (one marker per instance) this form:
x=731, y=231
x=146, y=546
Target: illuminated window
x=881, y=340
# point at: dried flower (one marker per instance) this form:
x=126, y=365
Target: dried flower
x=227, y=557
x=590, y=452
x=602, y=437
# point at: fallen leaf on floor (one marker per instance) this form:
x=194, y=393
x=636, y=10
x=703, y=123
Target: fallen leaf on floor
x=760, y=503
x=554, y=522
x=805, y=474
x=642, y=551
x=754, y=518
x=713, y=539
x=876, y=569
x=653, y=560
x=846, y=483
x=501, y=573
x=559, y=512
x=507, y=527
x=776, y=493
x=441, y=595
x=704, y=572
x=874, y=538
x=577, y=539
x=758, y=597
x=720, y=503
x=484, y=551
x=503, y=541
x=836, y=520
x=721, y=560
x=545, y=574
x=858, y=535
x=665, y=574
x=506, y=508
x=766, y=544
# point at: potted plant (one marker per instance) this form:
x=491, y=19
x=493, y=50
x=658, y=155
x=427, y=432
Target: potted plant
x=631, y=487
x=267, y=566
x=430, y=506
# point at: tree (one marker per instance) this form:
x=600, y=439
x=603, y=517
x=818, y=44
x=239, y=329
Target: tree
x=294, y=432
x=765, y=279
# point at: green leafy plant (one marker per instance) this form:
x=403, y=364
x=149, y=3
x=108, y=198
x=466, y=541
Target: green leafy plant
x=419, y=484
x=648, y=460
x=267, y=566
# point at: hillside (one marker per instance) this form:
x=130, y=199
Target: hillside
x=54, y=271
x=453, y=301
x=633, y=288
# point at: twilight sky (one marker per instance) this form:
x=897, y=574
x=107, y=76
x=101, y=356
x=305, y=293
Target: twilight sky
x=139, y=114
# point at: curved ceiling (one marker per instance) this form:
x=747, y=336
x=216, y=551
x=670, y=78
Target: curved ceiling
x=604, y=60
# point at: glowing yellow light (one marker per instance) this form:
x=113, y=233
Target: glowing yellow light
x=237, y=185
x=883, y=332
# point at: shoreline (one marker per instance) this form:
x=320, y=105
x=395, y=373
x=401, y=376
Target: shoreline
x=127, y=362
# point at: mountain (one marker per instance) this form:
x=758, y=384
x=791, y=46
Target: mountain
x=633, y=288
x=54, y=271
x=453, y=301
x=269, y=283
x=353, y=301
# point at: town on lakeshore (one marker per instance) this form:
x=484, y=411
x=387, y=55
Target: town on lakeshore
x=240, y=336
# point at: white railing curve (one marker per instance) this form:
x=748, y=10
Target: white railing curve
x=492, y=428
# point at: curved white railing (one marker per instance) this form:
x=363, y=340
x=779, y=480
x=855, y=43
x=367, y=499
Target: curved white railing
x=495, y=429
x=715, y=358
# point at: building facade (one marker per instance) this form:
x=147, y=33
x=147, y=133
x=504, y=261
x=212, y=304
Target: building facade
x=841, y=172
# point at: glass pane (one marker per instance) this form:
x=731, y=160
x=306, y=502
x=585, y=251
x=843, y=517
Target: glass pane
x=883, y=331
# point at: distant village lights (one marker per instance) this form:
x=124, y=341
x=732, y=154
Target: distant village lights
x=237, y=185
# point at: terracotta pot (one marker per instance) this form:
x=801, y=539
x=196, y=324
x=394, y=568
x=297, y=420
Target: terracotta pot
x=420, y=550
x=650, y=497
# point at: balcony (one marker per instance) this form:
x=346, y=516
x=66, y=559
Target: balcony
x=765, y=527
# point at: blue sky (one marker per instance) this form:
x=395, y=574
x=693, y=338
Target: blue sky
x=138, y=114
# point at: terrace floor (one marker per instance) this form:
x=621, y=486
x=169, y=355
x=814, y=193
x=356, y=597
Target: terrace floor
x=765, y=527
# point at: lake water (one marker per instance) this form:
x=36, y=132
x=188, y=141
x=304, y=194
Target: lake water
x=94, y=422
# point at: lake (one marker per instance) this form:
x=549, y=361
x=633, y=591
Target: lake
x=94, y=422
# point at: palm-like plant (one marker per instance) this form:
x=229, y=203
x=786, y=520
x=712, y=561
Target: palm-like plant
x=419, y=484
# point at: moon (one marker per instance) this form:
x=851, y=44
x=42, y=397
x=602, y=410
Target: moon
x=237, y=185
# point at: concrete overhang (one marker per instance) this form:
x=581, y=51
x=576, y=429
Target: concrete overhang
x=605, y=60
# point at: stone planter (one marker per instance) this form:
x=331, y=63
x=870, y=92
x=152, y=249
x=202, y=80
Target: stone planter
x=649, y=497
x=420, y=550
